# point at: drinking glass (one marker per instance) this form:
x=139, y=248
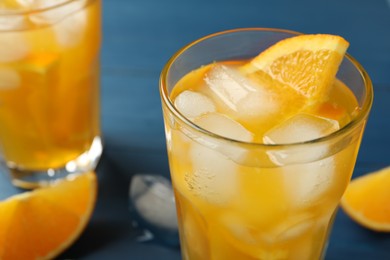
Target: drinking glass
x=245, y=200
x=49, y=88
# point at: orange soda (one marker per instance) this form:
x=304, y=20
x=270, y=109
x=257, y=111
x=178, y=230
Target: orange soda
x=249, y=181
x=49, y=83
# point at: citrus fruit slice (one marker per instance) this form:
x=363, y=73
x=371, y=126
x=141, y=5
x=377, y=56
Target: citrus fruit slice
x=306, y=63
x=42, y=223
x=367, y=200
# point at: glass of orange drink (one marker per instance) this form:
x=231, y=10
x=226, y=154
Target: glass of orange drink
x=49, y=88
x=263, y=128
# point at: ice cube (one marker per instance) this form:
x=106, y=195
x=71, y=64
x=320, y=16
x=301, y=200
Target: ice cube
x=300, y=128
x=13, y=46
x=53, y=10
x=306, y=182
x=71, y=30
x=152, y=197
x=252, y=239
x=9, y=79
x=195, y=232
x=11, y=21
x=222, y=125
x=241, y=230
x=214, y=175
x=290, y=227
x=42, y=4
x=294, y=226
x=25, y=3
x=193, y=104
x=307, y=169
x=69, y=18
x=15, y=5
x=239, y=95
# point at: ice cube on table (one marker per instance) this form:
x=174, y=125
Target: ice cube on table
x=9, y=78
x=152, y=197
x=14, y=46
x=239, y=95
x=214, y=172
x=193, y=104
x=300, y=128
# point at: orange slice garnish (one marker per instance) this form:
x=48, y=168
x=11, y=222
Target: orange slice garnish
x=306, y=63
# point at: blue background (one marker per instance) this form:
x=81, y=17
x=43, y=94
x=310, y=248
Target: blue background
x=141, y=35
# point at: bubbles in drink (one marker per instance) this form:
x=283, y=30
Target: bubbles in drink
x=214, y=175
x=193, y=104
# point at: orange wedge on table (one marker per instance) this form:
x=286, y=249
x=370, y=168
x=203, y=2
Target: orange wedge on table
x=42, y=223
x=367, y=200
x=306, y=64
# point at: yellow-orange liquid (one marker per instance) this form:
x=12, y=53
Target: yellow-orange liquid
x=232, y=209
x=49, y=106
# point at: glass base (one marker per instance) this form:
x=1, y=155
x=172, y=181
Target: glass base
x=31, y=179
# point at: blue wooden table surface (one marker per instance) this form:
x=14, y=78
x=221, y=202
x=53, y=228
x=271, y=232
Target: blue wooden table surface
x=141, y=35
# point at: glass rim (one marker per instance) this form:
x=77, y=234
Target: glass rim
x=5, y=13
x=355, y=122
